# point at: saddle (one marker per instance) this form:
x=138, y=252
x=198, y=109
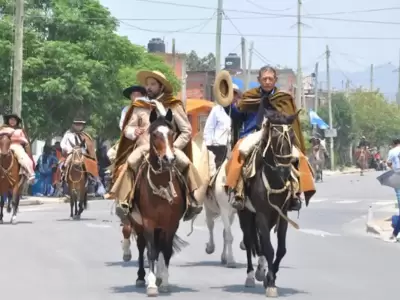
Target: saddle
x=89, y=165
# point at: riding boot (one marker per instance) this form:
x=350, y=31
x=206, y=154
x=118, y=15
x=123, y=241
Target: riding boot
x=122, y=211
x=237, y=200
x=194, y=208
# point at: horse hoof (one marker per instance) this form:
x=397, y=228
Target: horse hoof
x=152, y=292
x=164, y=289
x=140, y=283
x=77, y=217
x=223, y=260
x=210, y=248
x=127, y=257
x=271, y=292
x=242, y=246
x=231, y=265
x=260, y=275
x=1, y=221
x=158, y=281
x=71, y=218
x=250, y=283
x=13, y=220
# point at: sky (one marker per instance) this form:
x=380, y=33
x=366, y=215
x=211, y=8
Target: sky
x=353, y=45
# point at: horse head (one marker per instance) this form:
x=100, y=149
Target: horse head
x=278, y=138
x=5, y=142
x=161, y=132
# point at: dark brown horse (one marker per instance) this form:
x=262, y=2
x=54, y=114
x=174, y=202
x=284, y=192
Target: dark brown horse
x=76, y=177
x=159, y=204
x=269, y=192
x=11, y=182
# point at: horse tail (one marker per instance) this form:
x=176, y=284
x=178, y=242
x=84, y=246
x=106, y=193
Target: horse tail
x=178, y=244
x=255, y=238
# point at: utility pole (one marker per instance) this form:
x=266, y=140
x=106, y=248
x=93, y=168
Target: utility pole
x=248, y=72
x=316, y=96
x=18, y=57
x=299, y=81
x=328, y=79
x=347, y=89
x=218, y=41
x=398, y=84
x=173, y=55
x=371, y=79
x=244, y=68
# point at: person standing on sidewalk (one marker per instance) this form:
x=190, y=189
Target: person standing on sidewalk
x=393, y=162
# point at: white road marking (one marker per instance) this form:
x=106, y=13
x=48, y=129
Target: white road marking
x=92, y=225
x=383, y=203
x=317, y=232
x=347, y=201
x=317, y=200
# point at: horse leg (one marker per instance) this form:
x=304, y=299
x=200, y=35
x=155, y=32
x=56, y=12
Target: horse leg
x=2, y=200
x=246, y=221
x=141, y=245
x=281, y=247
x=81, y=204
x=210, y=246
x=268, y=251
x=163, y=263
x=76, y=198
x=9, y=202
x=152, y=289
x=71, y=204
x=126, y=243
x=227, y=252
x=15, y=203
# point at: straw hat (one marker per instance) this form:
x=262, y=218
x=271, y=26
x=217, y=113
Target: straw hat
x=223, y=88
x=143, y=75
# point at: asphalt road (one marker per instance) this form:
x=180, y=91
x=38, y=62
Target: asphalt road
x=46, y=256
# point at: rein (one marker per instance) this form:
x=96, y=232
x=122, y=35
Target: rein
x=76, y=160
x=7, y=171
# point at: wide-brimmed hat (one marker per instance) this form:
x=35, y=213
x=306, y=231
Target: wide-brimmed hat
x=142, y=76
x=9, y=116
x=134, y=88
x=223, y=88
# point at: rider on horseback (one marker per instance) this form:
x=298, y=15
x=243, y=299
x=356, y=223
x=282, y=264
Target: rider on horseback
x=363, y=143
x=76, y=137
x=257, y=100
x=19, y=144
x=136, y=125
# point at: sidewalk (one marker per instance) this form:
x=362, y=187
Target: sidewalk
x=351, y=170
x=379, y=222
x=35, y=200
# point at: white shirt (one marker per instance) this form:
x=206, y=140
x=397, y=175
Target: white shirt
x=217, y=130
x=123, y=114
x=68, y=143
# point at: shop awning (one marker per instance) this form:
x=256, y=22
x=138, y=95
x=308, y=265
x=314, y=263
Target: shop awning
x=195, y=104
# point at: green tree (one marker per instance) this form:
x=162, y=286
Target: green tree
x=376, y=118
x=74, y=61
x=344, y=122
x=196, y=63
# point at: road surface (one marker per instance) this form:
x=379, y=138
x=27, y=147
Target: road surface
x=48, y=257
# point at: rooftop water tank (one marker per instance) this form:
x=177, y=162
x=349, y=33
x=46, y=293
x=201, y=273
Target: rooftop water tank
x=232, y=62
x=156, y=45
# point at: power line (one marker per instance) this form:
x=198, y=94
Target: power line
x=272, y=14
x=377, y=38
x=263, y=8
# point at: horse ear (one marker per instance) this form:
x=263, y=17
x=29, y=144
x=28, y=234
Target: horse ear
x=293, y=117
x=153, y=116
x=168, y=116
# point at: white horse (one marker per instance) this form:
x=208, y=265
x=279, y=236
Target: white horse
x=216, y=203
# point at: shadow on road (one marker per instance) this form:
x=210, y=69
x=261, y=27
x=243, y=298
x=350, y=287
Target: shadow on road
x=210, y=263
x=259, y=289
x=18, y=223
x=122, y=264
x=140, y=290
x=81, y=219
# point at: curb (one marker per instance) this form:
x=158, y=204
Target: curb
x=39, y=200
x=346, y=172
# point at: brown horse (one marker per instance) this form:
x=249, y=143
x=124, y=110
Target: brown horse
x=76, y=177
x=363, y=156
x=11, y=181
x=159, y=204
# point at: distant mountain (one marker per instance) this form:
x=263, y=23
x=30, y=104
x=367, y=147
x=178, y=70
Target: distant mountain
x=385, y=79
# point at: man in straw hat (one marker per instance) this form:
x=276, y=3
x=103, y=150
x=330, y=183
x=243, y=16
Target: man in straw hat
x=160, y=89
x=250, y=112
x=217, y=130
